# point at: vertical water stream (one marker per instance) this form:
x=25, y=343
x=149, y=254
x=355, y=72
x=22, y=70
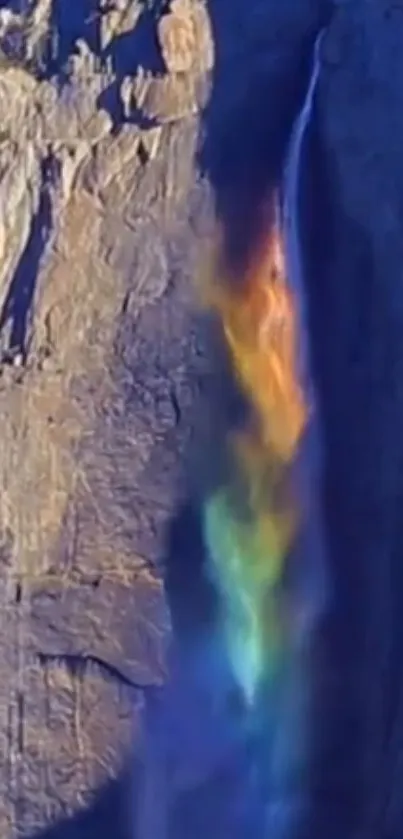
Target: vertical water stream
x=291, y=734
x=309, y=586
x=312, y=579
x=290, y=215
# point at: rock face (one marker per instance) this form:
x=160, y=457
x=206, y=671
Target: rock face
x=105, y=371
x=101, y=367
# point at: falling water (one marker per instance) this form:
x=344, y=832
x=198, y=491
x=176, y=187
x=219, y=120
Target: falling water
x=291, y=214
x=310, y=585
x=312, y=547
x=291, y=733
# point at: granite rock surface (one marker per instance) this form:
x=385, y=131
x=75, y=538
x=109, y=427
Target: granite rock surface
x=107, y=372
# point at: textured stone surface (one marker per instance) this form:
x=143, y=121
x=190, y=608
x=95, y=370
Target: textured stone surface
x=105, y=376
x=97, y=367
x=167, y=98
x=185, y=37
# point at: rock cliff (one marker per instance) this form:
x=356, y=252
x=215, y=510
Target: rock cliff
x=106, y=370
x=101, y=369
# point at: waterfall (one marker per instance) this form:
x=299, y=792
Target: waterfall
x=290, y=214
x=310, y=586
x=313, y=572
x=278, y=754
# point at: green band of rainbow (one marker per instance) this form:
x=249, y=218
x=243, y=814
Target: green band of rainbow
x=251, y=522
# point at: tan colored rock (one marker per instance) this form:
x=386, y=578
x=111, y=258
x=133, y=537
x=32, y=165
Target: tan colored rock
x=95, y=414
x=177, y=40
x=169, y=98
x=19, y=114
x=185, y=37
x=114, y=155
x=151, y=141
x=205, y=51
x=20, y=185
x=38, y=28
x=118, y=20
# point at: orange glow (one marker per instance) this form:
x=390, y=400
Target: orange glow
x=259, y=323
x=251, y=523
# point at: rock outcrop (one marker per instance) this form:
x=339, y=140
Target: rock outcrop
x=101, y=364
x=105, y=371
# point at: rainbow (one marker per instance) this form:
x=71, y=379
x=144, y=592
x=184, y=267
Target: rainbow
x=251, y=521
